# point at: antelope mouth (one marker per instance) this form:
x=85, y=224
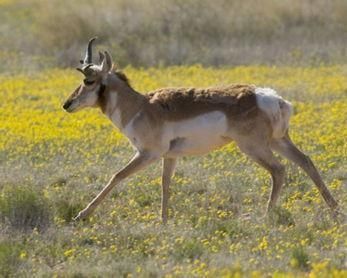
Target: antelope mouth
x=69, y=106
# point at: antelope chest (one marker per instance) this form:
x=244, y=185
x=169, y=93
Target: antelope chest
x=197, y=135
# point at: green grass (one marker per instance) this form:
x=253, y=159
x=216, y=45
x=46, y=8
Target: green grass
x=35, y=34
x=53, y=163
x=23, y=208
x=9, y=258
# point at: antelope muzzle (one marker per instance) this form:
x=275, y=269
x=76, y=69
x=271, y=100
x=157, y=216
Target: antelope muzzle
x=67, y=104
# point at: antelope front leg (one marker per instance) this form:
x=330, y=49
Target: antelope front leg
x=138, y=162
x=168, y=169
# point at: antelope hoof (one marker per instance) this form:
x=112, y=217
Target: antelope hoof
x=263, y=217
x=82, y=215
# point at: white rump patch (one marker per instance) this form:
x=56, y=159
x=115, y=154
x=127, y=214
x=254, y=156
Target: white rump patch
x=277, y=109
x=267, y=100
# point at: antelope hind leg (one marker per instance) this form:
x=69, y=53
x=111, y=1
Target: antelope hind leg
x=261, y=153
x=286, y=147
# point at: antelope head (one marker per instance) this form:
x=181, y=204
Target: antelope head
x=95, y=78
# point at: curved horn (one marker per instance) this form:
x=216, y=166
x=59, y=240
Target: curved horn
x=88, y=58
x=87, y=67
x=81, y=70
x=85, y=70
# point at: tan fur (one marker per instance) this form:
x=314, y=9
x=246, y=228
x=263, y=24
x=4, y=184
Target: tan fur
x=129, y=102
x=172, y=122
x=180, y=103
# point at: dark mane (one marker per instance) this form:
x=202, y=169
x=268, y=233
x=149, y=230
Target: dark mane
x=121, y=75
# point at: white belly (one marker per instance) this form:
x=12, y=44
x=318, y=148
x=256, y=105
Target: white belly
x=198, y=135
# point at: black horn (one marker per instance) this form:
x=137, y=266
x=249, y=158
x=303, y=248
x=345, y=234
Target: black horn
x=88, y=58
x=81, y=71
x=85, y=70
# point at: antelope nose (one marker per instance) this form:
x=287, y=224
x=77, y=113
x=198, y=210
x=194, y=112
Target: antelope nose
x=67, y=104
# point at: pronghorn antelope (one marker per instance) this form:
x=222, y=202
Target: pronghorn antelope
x=173, y=122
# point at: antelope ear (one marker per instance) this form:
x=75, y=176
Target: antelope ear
x=101, y=57
x=106, y=64
x=108, y=59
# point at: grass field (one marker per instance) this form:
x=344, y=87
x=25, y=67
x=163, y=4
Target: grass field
x=53, y=163
x=36, y=33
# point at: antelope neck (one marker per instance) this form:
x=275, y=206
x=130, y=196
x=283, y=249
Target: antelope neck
x=120, y=103
x=101, y=90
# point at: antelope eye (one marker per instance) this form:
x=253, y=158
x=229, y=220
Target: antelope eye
x=88, y=82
